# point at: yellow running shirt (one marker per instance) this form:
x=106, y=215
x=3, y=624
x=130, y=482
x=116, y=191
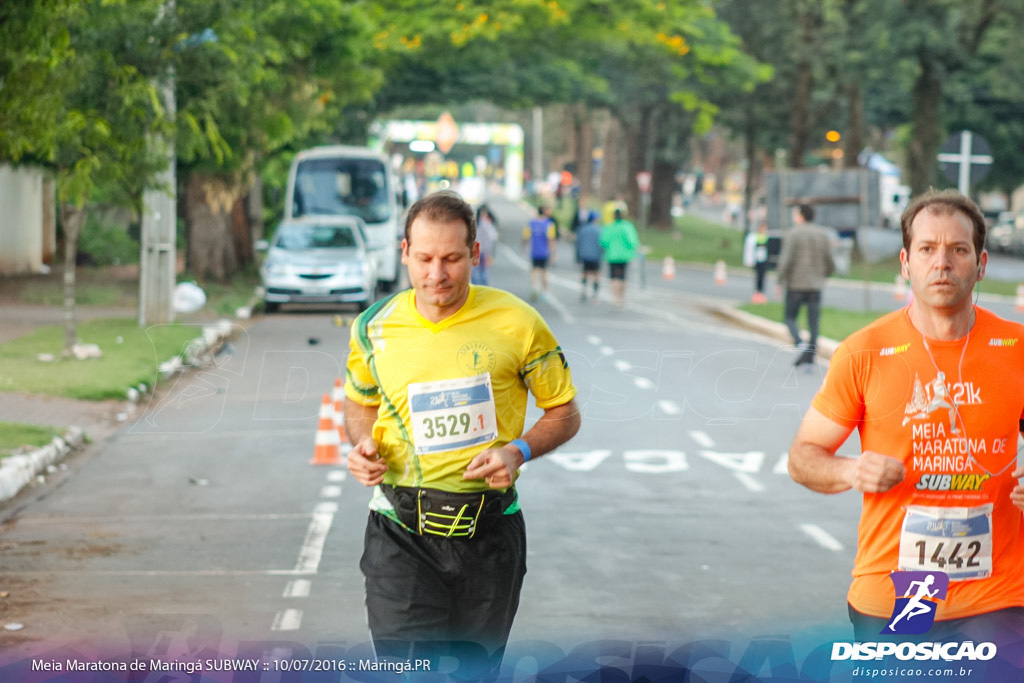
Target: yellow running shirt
x=447, y=391
x=951, y=412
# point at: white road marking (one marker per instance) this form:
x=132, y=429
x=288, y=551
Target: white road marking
x=821, y=537
x=330, y=492
x=655, y=461
x=623, y=365
x=313, y=545
x=643, y=383
x=606, y=350
x=782, y=466
x=299, y=588
x=670, y=407
x=337, y=475
x=592, y=339
x=579, y=462
x=287, y=620
x=702, y=439
x=749, y=482
x=567, y=317
x=749, y=463
x=326, y=507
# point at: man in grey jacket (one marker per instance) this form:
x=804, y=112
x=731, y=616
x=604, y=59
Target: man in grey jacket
x=804, y=264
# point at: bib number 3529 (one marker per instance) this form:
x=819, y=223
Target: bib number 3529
x=451, y=414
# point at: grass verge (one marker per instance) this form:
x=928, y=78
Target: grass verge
x=834, y=323
x=131, y=355
x=695, y=240
x=16, y=435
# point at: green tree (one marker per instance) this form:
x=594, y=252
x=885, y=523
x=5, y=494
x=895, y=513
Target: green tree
x=86, y=107
x=254, y=80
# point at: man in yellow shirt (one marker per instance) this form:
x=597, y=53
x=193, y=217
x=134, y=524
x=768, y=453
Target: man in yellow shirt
x=438, y=378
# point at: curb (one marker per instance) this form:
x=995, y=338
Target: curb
x=19, y=471
x=770, y=328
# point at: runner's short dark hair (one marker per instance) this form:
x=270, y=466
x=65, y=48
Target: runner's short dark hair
x=445, y=206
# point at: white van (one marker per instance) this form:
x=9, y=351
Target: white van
x=339, y=180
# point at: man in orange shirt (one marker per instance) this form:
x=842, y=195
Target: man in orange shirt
x=936, y=392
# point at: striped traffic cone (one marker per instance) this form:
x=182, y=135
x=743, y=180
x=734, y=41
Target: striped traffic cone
x=899, y=290
x=338, y=398
x=668, y=269
x=720, y=276
x=327, y=450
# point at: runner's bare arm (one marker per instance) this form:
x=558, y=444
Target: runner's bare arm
x=498, y=466
x=814, y=462
x=363, y=462
x=1017, y=495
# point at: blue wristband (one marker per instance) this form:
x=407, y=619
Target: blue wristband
x=523, y=447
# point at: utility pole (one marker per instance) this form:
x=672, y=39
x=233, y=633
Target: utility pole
x=538, y=147
x=159, y=224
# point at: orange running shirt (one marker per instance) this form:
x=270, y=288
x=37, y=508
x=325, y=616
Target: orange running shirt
x=952, y=414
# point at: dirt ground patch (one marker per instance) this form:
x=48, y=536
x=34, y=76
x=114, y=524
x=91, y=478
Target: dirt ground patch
x=121, y=284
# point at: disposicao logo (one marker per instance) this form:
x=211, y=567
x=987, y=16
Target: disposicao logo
x=917, y=596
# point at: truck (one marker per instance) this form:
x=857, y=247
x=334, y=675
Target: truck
x=343, y=180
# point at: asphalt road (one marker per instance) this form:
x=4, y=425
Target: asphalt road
x=202, y=532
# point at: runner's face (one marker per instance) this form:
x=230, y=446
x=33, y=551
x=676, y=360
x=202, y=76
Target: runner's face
x=941, y=262
x=440, y=264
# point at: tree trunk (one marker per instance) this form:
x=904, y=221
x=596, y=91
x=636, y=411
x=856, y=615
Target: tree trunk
x=800, y=116
x=753, y=170
x=663, y=185
x=72, y=220
x=610, y=161
x=853, y=143
x=212, y=248
x=583, y=131
x=637, y=145
x=925, y=142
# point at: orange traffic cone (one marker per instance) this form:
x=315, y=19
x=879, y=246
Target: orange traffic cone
x=899, y=290
x=338, y=398
x=668, y=269
x=327, y=450
x=1020, y=298
x=720, y=277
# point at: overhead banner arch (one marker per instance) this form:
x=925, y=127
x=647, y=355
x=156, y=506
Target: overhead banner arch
x=500, y=144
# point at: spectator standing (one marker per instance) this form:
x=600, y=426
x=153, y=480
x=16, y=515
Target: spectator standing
x=755, y=255
x=804, y=264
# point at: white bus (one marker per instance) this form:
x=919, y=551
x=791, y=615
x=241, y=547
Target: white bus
x=350, y=181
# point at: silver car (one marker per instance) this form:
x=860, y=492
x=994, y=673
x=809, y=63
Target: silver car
x=318, y=261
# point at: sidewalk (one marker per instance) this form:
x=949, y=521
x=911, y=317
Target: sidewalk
x=82, y=422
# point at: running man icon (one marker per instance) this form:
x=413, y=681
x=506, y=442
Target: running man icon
x=917, y=596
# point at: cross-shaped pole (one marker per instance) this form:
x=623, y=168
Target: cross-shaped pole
x=964, y=159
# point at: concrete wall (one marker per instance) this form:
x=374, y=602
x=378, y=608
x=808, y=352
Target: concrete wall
x=21, y=220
